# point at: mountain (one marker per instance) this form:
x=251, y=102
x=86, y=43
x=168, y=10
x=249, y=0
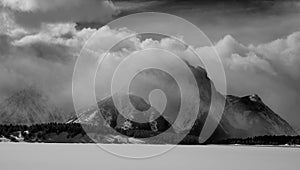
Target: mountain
x=243, y=116
x=248, y=116
x=29, y=106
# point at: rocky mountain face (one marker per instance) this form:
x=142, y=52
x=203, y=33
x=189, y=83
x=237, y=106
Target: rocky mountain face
x=29, y=106
x=243, y=116
x=144, y=116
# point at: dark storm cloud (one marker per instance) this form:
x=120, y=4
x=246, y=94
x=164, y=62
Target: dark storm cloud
x=250, y=21
x=169, y=5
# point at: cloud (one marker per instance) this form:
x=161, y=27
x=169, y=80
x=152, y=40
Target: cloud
x=45, y=59
x=32, y=13
x=249, y=21
x=270, y=70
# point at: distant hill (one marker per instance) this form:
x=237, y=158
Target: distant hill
x=29, y=106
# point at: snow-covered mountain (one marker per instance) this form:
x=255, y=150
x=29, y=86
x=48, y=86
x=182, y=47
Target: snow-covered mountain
x=243, y=116
x=29, y=106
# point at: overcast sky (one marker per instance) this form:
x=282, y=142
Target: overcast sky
x=258, y=42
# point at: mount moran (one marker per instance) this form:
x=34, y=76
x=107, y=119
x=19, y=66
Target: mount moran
x=243, y=117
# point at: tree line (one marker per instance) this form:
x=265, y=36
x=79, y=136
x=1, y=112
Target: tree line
x=40, y=132
x=263, y=140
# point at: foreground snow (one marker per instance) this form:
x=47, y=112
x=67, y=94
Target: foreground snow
x=15, y=156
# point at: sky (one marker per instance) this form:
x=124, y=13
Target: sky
x=258, y=42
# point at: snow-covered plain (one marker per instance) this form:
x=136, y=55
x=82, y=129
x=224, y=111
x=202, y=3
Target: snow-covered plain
x=23, y=156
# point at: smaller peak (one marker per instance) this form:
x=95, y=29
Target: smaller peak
x=229, y=37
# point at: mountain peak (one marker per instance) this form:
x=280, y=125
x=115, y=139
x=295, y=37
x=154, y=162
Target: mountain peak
x=254, y=98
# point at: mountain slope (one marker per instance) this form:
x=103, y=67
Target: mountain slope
x=29, y=106
x=248, y=116
x=145, y=117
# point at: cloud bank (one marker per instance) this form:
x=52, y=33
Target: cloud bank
x=32, y=13
x=46, y=59
x=270, y=70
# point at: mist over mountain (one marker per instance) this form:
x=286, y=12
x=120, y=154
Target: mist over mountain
x=30, y=106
